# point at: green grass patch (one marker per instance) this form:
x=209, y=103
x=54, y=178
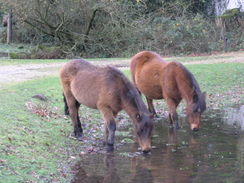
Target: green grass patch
x=201, y=59
x=219, y=76
x=32, y=147
x=224, y=83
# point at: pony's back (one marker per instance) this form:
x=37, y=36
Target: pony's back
x=141, y=59
x=73, y=66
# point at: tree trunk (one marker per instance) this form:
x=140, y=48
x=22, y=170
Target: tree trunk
x=9, y=32
x=89, y=28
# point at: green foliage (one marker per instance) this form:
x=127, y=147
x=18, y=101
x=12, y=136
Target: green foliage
x=184, y=35
x=121, y=28
x=230, y=13
x=13, y=56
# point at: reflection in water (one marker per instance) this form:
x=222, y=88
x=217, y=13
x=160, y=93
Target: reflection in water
x=240, y=156
x=108, y=166
x=213, y=154
x=173, y=162
x=234, y=116
x=111, y=175
x=141, y=170
x=82, y=176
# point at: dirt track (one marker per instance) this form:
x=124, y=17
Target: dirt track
x=17, y=73
x=23, y=72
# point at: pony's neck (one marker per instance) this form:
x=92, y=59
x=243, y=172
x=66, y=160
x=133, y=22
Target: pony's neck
x=186, y=87
x=188, y=95
x=133, y=107
x=130, y=108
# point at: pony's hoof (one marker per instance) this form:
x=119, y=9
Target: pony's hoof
x=110, y=148
x=156, y=116
x=79, y=136
x=73, y=136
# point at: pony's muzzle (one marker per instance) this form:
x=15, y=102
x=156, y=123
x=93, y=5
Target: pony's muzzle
x=146, y=151
x=146, y=148
x=195, y=128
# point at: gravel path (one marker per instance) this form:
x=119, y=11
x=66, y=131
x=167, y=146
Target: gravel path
x=17, y=73
x=23, y=72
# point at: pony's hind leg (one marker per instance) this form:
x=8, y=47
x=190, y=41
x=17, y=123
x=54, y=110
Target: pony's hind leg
x=110, y=127
x=66, y=108
x=73, y=107
x=150, y=107
x=78, y=118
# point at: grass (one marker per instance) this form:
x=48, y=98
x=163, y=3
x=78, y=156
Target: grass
x=224, y=83
x=31, y=145
x=37, y=149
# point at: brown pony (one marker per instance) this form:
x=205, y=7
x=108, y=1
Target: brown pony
x=158, y=79
x=110, y=91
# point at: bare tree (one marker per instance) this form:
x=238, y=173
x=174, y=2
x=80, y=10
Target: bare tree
x=9, y=25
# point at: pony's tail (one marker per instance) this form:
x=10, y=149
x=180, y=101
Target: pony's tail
x=66, y=107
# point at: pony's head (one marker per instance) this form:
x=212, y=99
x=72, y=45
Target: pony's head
x=194, y=110
x=143, y=129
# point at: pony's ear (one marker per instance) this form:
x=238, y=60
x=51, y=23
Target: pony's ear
x=204, y=94
x=195, y=98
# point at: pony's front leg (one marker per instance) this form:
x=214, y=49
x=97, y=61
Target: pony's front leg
x=110, y=128
x=173, y=116
x=150, y=107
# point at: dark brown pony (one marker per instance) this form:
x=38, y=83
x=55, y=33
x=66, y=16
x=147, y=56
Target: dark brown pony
x=106, y=89
x=158, y=79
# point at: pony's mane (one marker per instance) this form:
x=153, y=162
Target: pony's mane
x=130, y=93
x=198, y=97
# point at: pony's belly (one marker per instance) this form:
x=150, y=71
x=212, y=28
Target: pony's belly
x=85, y=94
x=92, y=105
x=148, y=82
x=87, y=99
x=152, y=92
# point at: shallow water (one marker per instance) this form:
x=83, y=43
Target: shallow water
x=214, y=154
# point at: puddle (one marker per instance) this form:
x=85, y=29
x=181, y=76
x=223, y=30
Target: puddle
x=234, y=116
x=214, y=154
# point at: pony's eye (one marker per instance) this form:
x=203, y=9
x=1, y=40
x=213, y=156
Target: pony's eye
x=198, y=110
x=138, y=117
x=140, y=132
